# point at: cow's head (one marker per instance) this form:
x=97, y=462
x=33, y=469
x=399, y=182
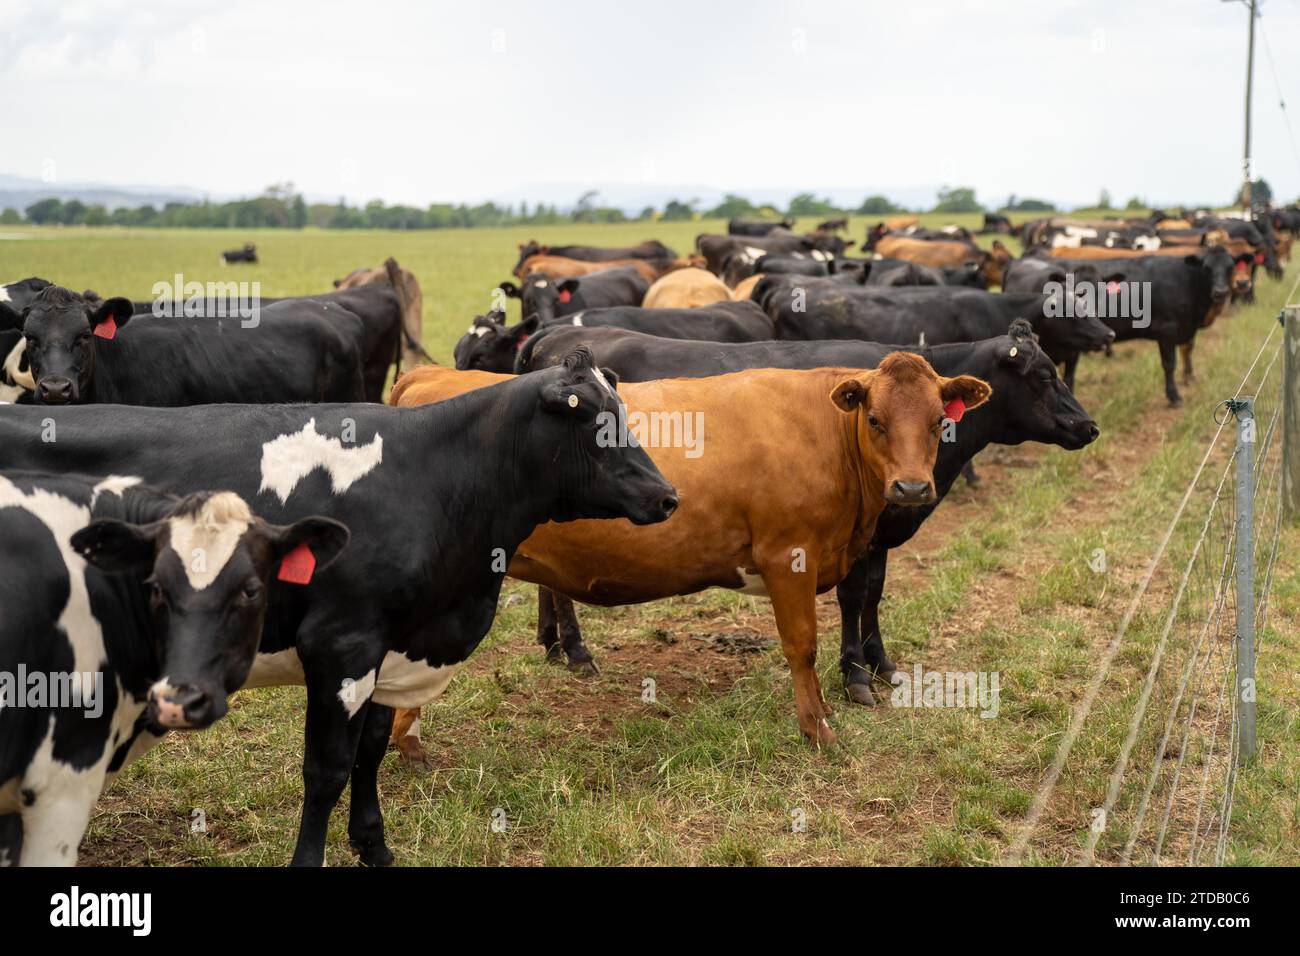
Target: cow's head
x=61, y=327
x=1064, y=328
x=208, y=566
x=600, y=469
x=542, y=296
x=900, y=409
x=526, y=249
x=491, y=347
x=874, y=235
x=1030, y=402
x=1215, y=272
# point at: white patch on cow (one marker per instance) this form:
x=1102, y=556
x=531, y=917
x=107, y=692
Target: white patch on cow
x=353, y=694
x=278, y=669
x=290, y=458
x=414, y=729
x=4, y=294
x=113, y=485
x=577, y=319
x=604, y=382
x=13, y=371
x=922, y=342
x=478, y=331
x=206, y=539
x=820, y=256
x=753, y=252
x=1146, y=242
x=411, y=683
x=876, y=256
x=540, y=284
x=751, y=583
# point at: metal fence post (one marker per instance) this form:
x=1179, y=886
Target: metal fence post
x=1291, y=413
x=1244, y=409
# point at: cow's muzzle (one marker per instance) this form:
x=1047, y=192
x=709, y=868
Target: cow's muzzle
x=55, y=391
x=187, y=707
x=910, y=492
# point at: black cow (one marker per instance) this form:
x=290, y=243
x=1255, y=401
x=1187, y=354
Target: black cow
x=548, y=298
x=1186, y=294
x=491, y=346
x=16, y=383
x=749, y=227
x=149, y=610
x=650, y=249
x=1029, y=403
x=911, y=315
x=996, y=224
x=433, y=498
x=293, y=351
x=898, y=272
x=791, y=265
x=246, y=254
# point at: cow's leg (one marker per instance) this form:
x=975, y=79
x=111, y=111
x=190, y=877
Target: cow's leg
x=1069, y=366
x=566, y=617
x=1186, y=351
x=968, y=472
x=1168, y=361
x=851, y=594
x=11, y=838
x=365, y=821
x=873, y=644
x=338, y=698
x=548, y=632
x=406, y=737
x=54, y=819
x=794, y=604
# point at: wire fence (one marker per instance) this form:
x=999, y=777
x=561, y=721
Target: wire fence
x=1192, y=629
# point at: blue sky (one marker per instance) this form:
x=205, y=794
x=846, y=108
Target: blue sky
x=420, y=102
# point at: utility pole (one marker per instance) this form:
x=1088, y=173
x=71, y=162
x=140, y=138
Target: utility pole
x=1247, y=193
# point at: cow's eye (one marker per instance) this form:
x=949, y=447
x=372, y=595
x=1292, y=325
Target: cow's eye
x=252, y=591
x=874, y=422
x=156, y=593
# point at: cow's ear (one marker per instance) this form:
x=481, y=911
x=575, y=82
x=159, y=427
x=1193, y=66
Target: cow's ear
x=610, y=376
x=852, y=393
x=325, y=537
x=117, y=309
x=569, y=285
x=850, y=242
x=510, y=289
x=527, y=327
x=971, y=390
x=116, y=546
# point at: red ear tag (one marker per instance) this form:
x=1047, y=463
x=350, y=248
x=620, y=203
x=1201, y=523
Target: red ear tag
x=1240, y=268
x=565, y=295
x=298, y=565
x=522, y=339
x=106, y=329
x=955, y=409
x=1259, y=258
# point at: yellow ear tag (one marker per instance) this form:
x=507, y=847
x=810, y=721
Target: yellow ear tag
x=1014, y=350
x=573, y=401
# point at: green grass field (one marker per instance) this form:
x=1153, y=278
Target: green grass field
x=585, y=771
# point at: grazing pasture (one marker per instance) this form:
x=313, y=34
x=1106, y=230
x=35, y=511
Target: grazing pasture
x=682, y=751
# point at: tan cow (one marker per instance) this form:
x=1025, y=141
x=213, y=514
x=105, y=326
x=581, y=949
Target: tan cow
x=745, y=288
x=686, y=289
x=558, y=267
x=408, y=293
x=940, y=254
x=781, y=475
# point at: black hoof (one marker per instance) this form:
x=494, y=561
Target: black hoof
x=587, y=667
x=371, y=853
x=555, y=654
x=860, y=694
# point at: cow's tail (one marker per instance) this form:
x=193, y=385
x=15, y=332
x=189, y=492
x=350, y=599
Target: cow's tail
x=410, y=343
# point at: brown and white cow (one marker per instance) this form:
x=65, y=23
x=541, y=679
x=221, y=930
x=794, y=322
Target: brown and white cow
x=781, y=475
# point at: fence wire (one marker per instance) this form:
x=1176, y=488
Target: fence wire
x=1171, y=783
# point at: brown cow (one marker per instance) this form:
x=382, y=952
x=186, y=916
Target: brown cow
x=941, y=254
x=558, y=267
x=686, y=289
x=780, y=496
x=745, y=288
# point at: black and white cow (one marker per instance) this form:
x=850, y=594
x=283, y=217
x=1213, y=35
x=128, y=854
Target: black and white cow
x=246, y=254
x=548, y=298
x=15, y=377
x=136, y=612
x=438, y=498
x=300, y=350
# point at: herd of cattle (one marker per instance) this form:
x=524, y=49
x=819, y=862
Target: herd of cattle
x=190, y=506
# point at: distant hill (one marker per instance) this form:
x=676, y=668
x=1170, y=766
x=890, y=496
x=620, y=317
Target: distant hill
x=20, y=192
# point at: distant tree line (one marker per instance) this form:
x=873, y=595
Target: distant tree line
x=281, y=207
